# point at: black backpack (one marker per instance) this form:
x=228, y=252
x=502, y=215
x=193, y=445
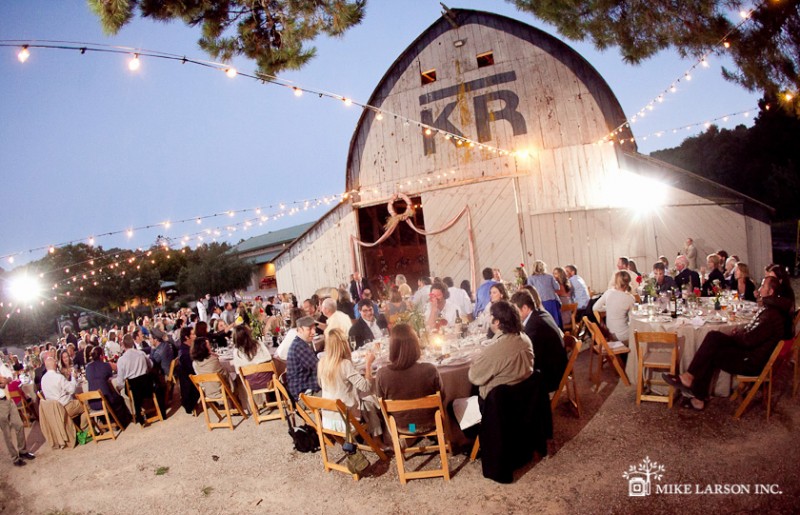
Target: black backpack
x=304, y=437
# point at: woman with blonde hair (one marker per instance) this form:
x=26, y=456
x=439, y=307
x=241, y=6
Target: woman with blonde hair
x=617, y=303
x=744, y=286
x=340, y=380
x=547, y=286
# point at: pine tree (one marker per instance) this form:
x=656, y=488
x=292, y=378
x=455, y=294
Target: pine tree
x=273, y=33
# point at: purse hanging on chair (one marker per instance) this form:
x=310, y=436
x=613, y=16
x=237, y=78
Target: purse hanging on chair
x=355, y=461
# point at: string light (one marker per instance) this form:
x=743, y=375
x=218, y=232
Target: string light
x=231, y=72
x=688, y=127
x=298, y=92
x=134, y=63
x=23, y=54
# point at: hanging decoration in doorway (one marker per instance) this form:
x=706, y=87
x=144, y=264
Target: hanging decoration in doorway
x=407, y=216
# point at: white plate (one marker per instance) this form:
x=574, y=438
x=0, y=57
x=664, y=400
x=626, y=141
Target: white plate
x=454, y=361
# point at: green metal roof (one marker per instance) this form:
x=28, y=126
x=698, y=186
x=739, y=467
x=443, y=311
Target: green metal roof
x=262, y=258
x=271, y=239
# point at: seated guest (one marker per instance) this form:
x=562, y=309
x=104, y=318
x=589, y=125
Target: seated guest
x=139, y=342
x=685, y=276
x=509, y=360
x=161, y=356
x=335, y=319
x=664, y=283
x=134, y=366
x=98, y=374
x=248, y=351
x=219, y=337
x=617, y=304
x=564, y=287
x=784, y=292
x=344, y=304
x=189, y=394
x=745, y=351
x=730, y=267
x=460, y=298
x=396, y=306
x=714, y=274
x=301, y=362
x=204, y=361
x=744, y=286
x=497, y=293
x=405, y=378
x=439, y=307
x=64, y=363
x=368, y=327
x=366, y=294
x=482, y=295
x=283, y=349
x=56, y=387
x=546, y=337
x=580, y=292
x=340, y=380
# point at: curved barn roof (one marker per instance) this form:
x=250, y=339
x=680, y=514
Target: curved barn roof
x=458, y=18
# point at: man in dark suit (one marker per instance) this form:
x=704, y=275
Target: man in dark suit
x=746, y=351
x=685, y=275
x=358, y=285
x=549, y=355
x=368, y=327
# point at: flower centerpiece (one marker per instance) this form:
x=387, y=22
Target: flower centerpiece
x=716, y=290
x=520, y=276
x=650, y=287
x=416, y=319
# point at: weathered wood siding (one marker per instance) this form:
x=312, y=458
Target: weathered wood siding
x=320, y=257
x=494, y=223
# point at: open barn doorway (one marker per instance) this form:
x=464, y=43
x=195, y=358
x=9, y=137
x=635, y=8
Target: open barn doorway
x=404, y=252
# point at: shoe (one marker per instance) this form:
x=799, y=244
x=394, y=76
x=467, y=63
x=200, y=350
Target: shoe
x=19, y=463
x=27, y=456
x=675, y=382
x=686, y=402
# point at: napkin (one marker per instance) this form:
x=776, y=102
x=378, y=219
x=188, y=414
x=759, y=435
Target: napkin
x=697, y=321
x=467, y=411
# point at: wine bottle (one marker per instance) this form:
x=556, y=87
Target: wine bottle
x=458, y=324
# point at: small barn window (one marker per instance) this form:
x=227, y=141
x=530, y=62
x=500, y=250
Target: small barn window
x=428, y=76
x=485, y=59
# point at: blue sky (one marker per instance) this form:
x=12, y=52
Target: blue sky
x=88, y=147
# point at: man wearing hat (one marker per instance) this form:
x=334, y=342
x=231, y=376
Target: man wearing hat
x=301, y=362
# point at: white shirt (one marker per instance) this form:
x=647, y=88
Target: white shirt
x=422, y=295
x=55, y=387
x=460, y=298
x=133, y=363
x=617, y=306
x=448, y=313
x=202, y=313
x=113, y=348
x=283, y=348
x=240, y=358
x=373, y=326
x=338, y=320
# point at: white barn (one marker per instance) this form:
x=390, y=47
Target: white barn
x=560, y=196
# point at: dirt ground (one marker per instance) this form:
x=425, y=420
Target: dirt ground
x=255, y=470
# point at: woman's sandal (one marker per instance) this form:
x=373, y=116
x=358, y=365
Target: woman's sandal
x=675, y=381
x=686, y=402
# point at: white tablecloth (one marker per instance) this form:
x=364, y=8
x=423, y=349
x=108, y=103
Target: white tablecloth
x=690, y=337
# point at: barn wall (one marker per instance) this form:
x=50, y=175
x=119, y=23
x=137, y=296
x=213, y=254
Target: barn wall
x=495, y=229
x=319, y=258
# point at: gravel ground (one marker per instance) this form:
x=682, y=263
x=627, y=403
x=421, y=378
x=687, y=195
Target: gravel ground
x=256, y=470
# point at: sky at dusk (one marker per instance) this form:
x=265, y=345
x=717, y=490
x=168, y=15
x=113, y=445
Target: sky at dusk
x=89, y=147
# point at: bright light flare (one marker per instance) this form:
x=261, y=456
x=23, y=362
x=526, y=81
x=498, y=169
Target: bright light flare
x=134, y=63
x=23, y=54
x=24, y=288
x=231, y=72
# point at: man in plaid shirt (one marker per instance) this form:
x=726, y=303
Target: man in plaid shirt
x=301, y=362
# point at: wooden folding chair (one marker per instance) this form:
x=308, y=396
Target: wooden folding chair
x=756, y=381
x=24, y=407
x=568, y=313
x=156, y=410
x=226, y=398
x=604, y=352
x=654, y=356
x=106, y=431
x=293, y=407
x=567, y=379
x=170, y=380
x=390, y=408
x=271, y=406
x=317, y=405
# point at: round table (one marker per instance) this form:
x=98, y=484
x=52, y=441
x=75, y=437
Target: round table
x=691, y=333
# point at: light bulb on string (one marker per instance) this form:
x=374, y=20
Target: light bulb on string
x=347, y=101
x=23, y=54
x=298, y=92
x=231, y=72
x=134, y=63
